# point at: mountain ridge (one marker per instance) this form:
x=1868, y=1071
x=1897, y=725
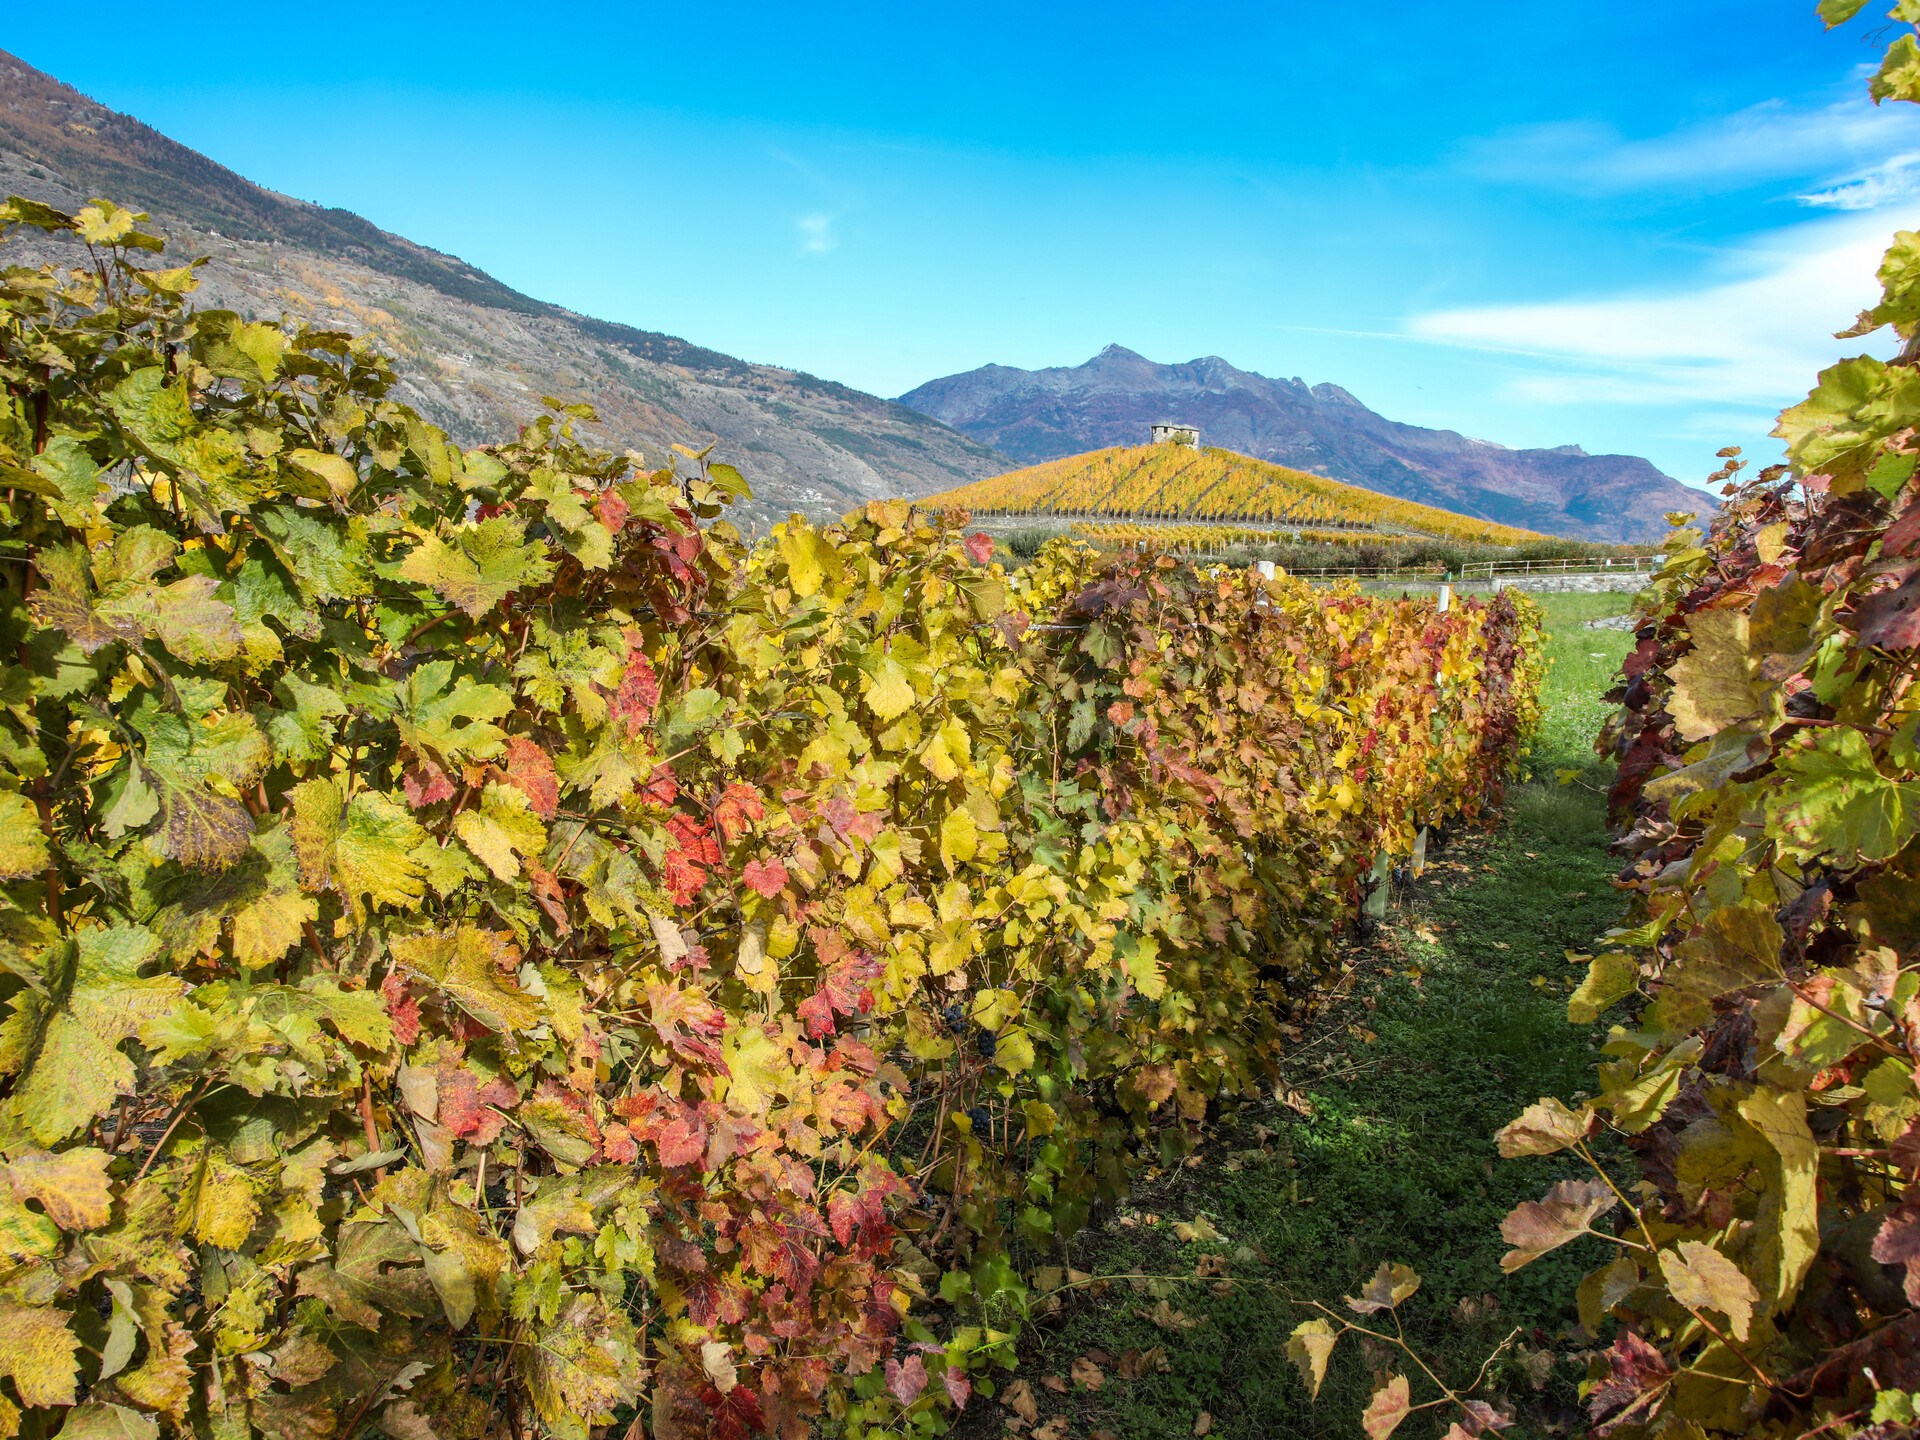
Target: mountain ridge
x=474, y=354
x=478, y=356
x=1111, y=399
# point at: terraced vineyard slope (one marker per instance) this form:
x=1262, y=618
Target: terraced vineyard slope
x=1173, y=482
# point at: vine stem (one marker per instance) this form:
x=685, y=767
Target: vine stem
x=1399, y=1341
x=1715, y=1331
x=1653, y=1246
x=360, y=1412
x=313, y=940
x=426, y=625
x=187, y=1102
x=1854, y=1025
x=373, y=1134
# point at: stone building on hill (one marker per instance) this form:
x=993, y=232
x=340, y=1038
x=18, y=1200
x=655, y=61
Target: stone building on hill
x=1169, y=433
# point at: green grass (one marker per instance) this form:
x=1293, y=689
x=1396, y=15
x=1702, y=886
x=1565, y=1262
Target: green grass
x=1436, y=1043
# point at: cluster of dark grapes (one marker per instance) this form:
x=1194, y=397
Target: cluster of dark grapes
x=987, y=1043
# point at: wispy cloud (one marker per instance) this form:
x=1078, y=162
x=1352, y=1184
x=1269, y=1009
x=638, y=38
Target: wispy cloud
x=1833, y=145
x=1752, y=340
x=817, y=235
x=1874, y=188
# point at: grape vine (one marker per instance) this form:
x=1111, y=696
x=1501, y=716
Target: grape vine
x=483, y=950
x=1764, y=1268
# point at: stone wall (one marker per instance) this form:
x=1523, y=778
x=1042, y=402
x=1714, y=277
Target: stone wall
x=1619, y=582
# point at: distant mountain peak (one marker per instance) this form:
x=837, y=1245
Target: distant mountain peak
x=1335, y=395
x=1113, y=399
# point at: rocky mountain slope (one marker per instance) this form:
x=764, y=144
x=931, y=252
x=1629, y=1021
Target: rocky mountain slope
x=1035, y=415
x=476, y=355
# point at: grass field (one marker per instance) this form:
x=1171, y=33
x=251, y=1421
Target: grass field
x=1380, y=1148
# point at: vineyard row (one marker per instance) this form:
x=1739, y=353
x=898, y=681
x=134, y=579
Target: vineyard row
x=484, y=950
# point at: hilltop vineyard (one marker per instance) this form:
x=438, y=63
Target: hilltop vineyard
x=1175, y=482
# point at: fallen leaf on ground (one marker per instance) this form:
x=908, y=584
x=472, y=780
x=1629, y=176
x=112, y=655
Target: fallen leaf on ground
x=1481, y=1420
x=1054, y=1383
x=1199, y=1228
x=1086, y=1373
x=1054, y=1429
x=1539, y=1367
x=1168, y=1318
x=1203, y=1423
x=1018, y=1397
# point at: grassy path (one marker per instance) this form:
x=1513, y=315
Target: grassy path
x=1381, y=1149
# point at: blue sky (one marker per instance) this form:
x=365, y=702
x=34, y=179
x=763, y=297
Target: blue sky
x=1630, y=226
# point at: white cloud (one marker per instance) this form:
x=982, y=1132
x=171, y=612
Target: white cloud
x=817, y=235
x=1834, y=144
x=1753, y=340
x=1888, y=183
